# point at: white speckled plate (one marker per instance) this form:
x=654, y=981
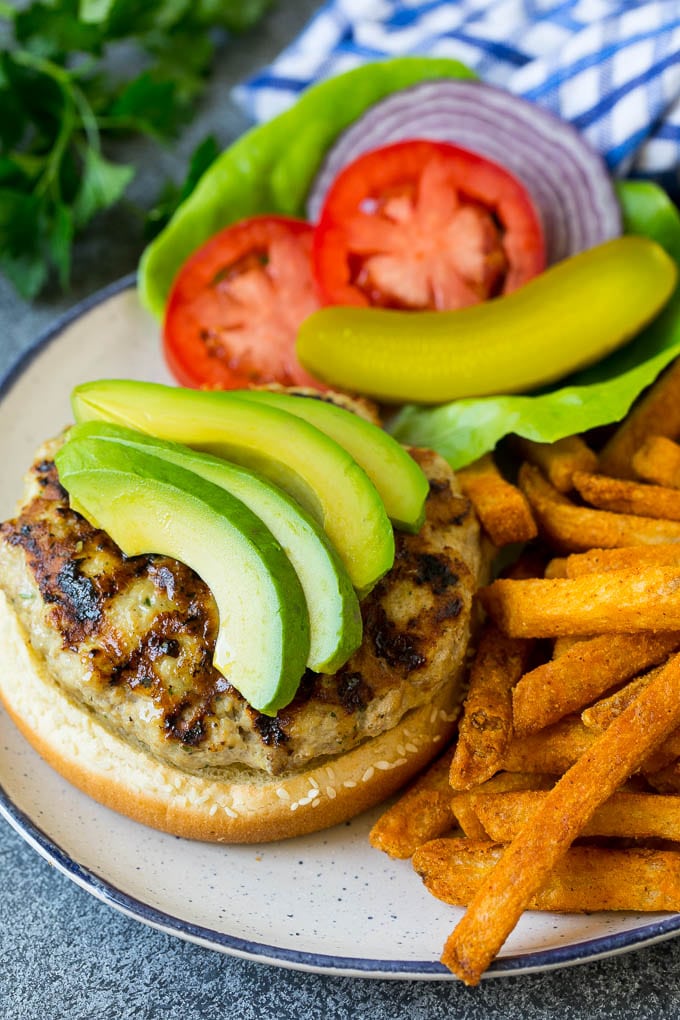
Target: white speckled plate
x=325, y=903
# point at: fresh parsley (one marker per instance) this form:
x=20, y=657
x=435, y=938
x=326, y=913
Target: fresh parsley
x=63, y=97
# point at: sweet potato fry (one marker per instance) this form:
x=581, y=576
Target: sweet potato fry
x=466, y=817
x=658, y=460
x=587, y=878
x=665, y=754
x=666, y=780
x=486, y=726
x=626, y=815
x=559, y=460
x=557, y=567
x=601, y=715
x=656, y=414
x=626, y=497
x=564, y=643
x=550, y=751
x=599, y=561
x=502, y=509
x=526, y=864
x=619, y=600
x=584, y=672
x=463, y=804
x=421, y=813
x=573, y=528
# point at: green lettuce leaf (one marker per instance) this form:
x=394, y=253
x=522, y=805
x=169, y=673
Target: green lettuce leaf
x=465, y=429
x=271, y=167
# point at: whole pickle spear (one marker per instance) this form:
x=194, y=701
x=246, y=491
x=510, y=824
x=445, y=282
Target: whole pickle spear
x=566, y=318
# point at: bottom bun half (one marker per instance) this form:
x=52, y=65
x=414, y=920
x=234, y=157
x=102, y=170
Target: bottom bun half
x=242, y=807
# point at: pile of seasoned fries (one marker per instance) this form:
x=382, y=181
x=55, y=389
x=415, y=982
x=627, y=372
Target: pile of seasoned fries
x=562, y=792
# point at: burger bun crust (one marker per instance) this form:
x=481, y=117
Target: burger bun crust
x=239, y=807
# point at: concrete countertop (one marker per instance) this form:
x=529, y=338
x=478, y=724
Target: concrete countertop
x=65, y=955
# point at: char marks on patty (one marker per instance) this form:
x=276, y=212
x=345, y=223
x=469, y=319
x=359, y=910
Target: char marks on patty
x=131, y=639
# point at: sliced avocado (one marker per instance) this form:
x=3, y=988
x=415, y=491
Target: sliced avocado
x=310, y=466
x=332, y=604
x=148, y=505
x=401, y=482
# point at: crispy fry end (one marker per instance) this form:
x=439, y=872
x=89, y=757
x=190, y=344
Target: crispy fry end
x=501, y=507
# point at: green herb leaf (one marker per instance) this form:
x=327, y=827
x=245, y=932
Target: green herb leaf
x=12, y=121
x=60, y=241
x=102, y=185
x=53, y=31
x=21, y=255
x=94, y=12
x=148, y=106
x=184, y=58
x=33, y=99
x=13, y=175
x=236, y=15
x=127, y=18
x=60, y=102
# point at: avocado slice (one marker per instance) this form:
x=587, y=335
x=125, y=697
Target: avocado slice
x=400, y=481
x=148, y=505
x=314, y=469
x=332, y=604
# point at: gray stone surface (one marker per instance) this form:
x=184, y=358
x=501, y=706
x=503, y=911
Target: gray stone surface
x=65, y=955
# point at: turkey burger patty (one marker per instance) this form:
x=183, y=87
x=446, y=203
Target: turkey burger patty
x=106, y=666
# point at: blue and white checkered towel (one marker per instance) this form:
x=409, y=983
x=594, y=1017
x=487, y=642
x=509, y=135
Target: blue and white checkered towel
x=611, y=67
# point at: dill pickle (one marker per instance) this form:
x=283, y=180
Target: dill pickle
x=566, y=318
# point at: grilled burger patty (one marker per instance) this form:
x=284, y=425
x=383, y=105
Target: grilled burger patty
x=131, y=639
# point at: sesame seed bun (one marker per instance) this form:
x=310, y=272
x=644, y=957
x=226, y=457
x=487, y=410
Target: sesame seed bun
x=244, y=806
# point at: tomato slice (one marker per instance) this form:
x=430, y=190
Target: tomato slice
x=423, y=224
x=236, y=305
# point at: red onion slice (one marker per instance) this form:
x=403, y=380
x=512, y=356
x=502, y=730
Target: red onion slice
x=567, y=180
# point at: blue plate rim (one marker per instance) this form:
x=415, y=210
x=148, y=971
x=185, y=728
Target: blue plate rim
x=541, y=960
x=576, y=952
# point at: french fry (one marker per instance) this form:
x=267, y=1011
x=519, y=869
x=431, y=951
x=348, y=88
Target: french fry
x=599, y=561
x=486, y=725
x=609, y=598
x=601, y=715
x=658, y=460
x=619, y=600
x=584, y=672
x=626, y=497
x=666, y=753
x=466, y=817
x=559, y=460
x=421, y=813
x=625, y=815
x=550, y=751
x=463, y=804
x=666, y=780
x=573, y=528
x=564, y=643
x=656, y=414
x=526, y=864
x=501, y=507
x=557, y=567
x=587, y=878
